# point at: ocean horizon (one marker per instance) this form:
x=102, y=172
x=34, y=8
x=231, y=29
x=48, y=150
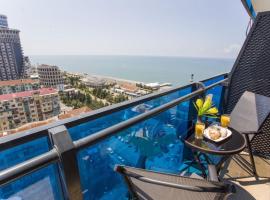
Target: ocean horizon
x=175, y=70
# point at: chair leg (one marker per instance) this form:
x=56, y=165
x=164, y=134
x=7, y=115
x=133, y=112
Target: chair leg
x=221, y=162
x=199, y=163
x=251, y=155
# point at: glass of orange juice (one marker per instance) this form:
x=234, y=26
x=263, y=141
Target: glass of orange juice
x=225, y=120
x=199, y=129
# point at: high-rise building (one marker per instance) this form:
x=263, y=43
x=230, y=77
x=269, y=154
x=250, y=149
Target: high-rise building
x=27, y=67
x=3, y=21
x=50, y=76
x=11, y=55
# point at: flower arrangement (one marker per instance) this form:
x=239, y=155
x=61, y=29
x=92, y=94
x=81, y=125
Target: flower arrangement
x=205, y=107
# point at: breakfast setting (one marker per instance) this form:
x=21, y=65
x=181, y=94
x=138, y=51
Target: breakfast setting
x=216, y=133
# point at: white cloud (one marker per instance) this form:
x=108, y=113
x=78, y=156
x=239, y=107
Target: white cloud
x=232, y=49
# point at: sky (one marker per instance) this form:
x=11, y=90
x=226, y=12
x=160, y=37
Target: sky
x=189, y=28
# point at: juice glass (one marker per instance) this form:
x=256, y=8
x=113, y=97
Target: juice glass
x=225, y=120
x=199, y=129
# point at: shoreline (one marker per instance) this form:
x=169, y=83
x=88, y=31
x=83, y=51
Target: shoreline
x=145, y=69
x=110, y=78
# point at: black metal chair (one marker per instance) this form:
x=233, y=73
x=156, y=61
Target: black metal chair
x=149, y=185
x=247, y=117
x=251, y=72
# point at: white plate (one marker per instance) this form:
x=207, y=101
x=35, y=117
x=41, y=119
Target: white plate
x=206, y=134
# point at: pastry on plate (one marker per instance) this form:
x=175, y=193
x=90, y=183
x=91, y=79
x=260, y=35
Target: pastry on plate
x=223, y=132
x=214, y=134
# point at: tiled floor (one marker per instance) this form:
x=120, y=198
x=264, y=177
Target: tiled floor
x=248, y=187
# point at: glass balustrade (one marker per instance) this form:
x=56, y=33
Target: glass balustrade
x=154, y=144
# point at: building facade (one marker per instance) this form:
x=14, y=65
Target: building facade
x=13, y=86
x=11, y=55
x=50, y=76
x=27, y=67
x=94, y=82
x=20, y=108
x=3, y=21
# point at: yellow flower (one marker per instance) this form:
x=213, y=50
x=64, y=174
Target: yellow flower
x=199, y=103
x=206, y=107
x=212, y=111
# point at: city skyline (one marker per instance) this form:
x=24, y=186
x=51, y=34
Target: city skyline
x=155, y=28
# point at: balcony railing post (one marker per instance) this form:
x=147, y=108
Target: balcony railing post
x=200, y=85
x=224, y=95
x=70, y=173
x=191, y=108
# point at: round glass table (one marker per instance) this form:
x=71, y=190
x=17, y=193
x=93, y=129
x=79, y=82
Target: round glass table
x=226, y=148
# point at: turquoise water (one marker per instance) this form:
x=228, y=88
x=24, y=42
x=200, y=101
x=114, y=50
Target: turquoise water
x=176, y=70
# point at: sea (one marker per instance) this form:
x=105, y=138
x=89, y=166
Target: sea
x=147, y=69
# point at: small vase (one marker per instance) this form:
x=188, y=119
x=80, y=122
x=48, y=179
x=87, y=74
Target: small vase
x=199, y=119
x=205, y=121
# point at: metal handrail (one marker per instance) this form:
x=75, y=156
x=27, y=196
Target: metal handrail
x=35, y=163
x=28, y=166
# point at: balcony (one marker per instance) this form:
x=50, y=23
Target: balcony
x=74, y=158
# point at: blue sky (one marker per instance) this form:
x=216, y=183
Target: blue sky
x=197, y=28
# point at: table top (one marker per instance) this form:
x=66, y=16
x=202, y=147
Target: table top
x=232, y=145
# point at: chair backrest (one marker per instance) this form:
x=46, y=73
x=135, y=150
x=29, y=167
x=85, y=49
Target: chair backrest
x=250, y=113
x=149, y=185
x=251, y=72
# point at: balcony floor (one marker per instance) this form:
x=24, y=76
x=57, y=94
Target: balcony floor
x=253, y=188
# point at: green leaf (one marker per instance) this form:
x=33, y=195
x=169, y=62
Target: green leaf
x=211, y=116
x=195, y=106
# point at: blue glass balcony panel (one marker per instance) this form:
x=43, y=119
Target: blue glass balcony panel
x=213, y=80
x=152, y=144
x=41, y=184
x=23, y=152
x=101, y=123
x=217, y=92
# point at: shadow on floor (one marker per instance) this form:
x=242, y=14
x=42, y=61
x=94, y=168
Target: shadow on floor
x=247, y=186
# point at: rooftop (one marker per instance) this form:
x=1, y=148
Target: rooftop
x=128, y=86
x=41, y=92
x=45, y=66
x=153, y=84
x=17, y=82
x=75, y=112
x=29, y=126
x=93, y=80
